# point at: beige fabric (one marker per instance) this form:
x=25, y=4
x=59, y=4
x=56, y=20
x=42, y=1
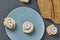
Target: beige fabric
x=50, y=9
x=56, y=15
x=45, y=7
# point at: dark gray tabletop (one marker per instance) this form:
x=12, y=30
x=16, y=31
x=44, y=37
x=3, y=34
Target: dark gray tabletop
x=7, y=5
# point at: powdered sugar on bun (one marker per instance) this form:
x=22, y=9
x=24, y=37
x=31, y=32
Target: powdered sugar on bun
x=28, y=27
x=51, y=30
x=25, y=1
x=9, y=23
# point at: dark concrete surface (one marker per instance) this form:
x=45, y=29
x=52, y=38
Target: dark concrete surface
x=7, y=5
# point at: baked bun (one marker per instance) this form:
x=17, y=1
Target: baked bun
x=24, y=1
x=51, y=30
x=28, y=27
x=9, y=23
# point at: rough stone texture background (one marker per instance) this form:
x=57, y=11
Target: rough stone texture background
x=7, y=5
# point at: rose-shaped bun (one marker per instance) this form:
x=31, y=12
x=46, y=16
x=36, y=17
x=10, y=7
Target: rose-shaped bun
x=51, y=30
x=9, y=23
x=24, y=1
x=28, y=27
